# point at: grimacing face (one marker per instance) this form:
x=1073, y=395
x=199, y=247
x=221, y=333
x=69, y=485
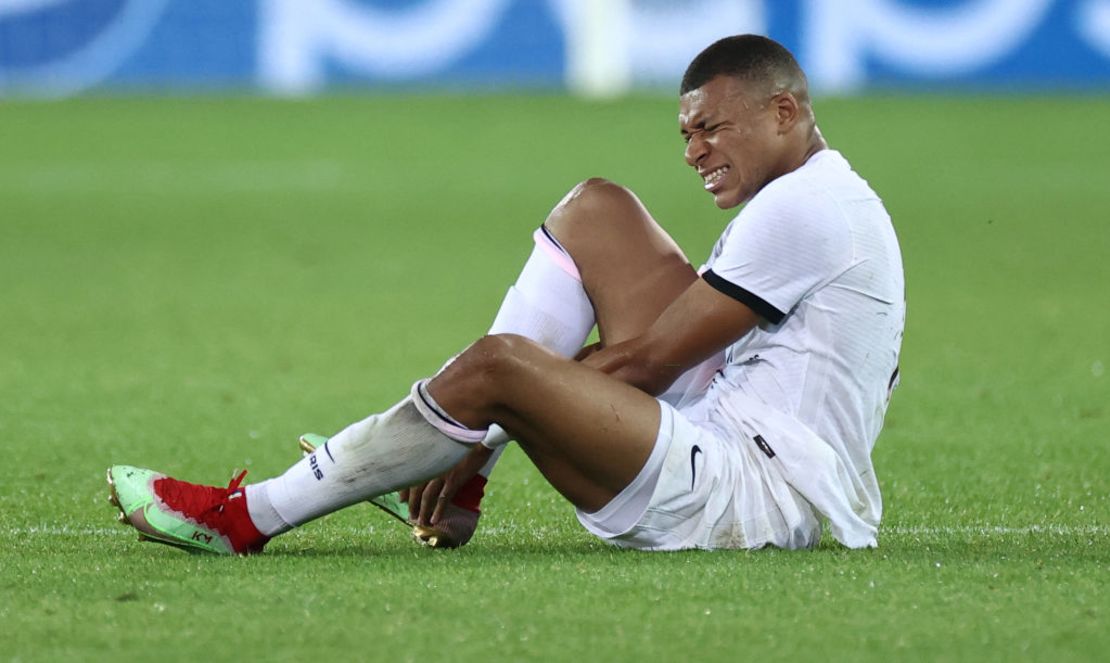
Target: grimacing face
x=733, y=138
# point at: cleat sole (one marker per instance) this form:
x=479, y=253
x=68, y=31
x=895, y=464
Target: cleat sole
x=113, y=499
x=146, y=538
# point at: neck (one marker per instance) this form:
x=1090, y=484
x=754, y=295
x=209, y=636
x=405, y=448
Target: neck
x=816, y=143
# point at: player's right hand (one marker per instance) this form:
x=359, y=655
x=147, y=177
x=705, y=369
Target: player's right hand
x=427, y=501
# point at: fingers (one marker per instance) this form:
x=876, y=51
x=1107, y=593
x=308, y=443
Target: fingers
x=432, y=495
x=427, y=501
x=451, y=486
x=457, y=477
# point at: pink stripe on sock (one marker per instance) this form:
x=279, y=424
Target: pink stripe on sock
x=557, y=254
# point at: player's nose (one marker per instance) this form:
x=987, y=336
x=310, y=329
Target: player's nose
x=696, y=149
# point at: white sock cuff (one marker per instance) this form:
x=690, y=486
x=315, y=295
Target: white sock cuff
x=496, y=438
x=262, y=511
x=439, y=419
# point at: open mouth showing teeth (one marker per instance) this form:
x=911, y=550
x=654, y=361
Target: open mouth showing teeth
x=713, y=178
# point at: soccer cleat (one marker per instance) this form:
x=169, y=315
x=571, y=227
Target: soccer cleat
x=454, y=529
x=184, y=515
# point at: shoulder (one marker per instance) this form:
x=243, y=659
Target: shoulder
x=801, y=208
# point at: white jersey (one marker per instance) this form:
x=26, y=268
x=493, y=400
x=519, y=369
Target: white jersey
x=815, y=254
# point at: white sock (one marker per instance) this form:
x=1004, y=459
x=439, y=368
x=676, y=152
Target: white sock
x=411, y=442
x=547, y=305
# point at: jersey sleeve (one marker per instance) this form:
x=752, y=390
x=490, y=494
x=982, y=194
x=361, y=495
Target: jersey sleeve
x=783, y=244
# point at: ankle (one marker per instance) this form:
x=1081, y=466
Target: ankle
x=261, y=511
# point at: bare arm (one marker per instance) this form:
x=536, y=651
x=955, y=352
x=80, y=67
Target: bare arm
x=699, y=323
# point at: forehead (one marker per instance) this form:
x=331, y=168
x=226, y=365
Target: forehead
x=723, y=94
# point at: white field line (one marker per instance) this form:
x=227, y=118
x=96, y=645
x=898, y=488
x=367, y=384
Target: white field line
x=917, y=531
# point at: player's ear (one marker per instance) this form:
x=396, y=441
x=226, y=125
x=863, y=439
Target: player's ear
x=787, y=110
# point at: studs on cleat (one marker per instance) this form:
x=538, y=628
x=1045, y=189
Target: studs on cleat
x=429, y=537
x=113, y=498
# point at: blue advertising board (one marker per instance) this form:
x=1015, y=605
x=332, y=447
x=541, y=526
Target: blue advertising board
x=65, y=47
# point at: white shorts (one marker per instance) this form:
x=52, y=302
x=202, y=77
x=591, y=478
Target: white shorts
x=703, y=489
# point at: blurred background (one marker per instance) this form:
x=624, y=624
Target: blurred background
x=56, y=48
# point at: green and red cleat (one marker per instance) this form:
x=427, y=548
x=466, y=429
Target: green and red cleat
x=185, y=515
x=212, y=519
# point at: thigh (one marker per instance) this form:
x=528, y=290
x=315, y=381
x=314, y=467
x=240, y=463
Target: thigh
x=631, y=268
x=696, y=471
x=589, y=434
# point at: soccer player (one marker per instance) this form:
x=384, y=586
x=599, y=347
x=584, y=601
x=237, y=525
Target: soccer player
x=732, y=408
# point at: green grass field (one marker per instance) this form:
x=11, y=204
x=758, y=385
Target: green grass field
x=190, y=284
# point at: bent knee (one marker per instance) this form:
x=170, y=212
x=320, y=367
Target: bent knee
x=598, y=192
x=500, y=345
x=594, y=205
x=497, y=353
x=596, y=185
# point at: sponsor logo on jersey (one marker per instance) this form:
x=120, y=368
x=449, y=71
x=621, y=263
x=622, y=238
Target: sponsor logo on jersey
x=763, y=446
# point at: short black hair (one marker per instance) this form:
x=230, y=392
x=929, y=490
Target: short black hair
x=747, y=57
